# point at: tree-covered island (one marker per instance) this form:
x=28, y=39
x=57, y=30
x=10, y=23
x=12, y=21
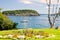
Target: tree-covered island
x=21, y=13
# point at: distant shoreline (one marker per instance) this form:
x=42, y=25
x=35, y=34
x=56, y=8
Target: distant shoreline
x=21, y=13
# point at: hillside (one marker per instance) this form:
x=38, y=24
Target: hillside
x=21, y=12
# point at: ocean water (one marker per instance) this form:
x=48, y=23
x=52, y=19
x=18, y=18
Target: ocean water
x=33, y=21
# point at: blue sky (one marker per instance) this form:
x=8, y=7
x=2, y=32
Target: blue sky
x=38, y=5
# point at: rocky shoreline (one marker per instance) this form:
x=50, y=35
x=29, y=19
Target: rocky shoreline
x=22, y=15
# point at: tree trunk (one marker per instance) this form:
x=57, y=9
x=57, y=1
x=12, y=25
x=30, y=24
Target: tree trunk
x=49, y=19
x=52, y=26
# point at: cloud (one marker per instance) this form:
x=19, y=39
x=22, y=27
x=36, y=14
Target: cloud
x=25, y=1
x=38, y=1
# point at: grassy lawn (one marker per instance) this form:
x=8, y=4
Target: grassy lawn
x=50, y=31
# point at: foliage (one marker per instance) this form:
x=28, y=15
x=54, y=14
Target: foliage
x=5, y=23
x=17, y=32
x=0, y=9
x=21, y=12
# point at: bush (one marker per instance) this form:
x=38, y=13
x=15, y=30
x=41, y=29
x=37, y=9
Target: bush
x=6, y=23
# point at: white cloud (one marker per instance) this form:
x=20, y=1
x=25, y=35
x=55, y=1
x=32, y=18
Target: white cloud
x=38, y=1
x=25, y=1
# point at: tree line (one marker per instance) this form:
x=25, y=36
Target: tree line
x=20, y=12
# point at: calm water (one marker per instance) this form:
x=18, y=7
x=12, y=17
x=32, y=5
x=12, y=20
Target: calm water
x=33, y=21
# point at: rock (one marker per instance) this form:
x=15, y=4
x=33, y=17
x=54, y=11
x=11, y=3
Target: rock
x=10, y=36
x=38, y=36
x=21, y=36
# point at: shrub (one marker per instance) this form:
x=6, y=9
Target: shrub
x=6, y=23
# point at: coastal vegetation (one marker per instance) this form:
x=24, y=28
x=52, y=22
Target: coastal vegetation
x=32, y=34
x=6, y=23
x=21, y=12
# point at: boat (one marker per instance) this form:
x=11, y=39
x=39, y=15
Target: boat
x=24, y=21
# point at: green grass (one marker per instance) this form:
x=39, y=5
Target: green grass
x=5, y=39
x=50, y=31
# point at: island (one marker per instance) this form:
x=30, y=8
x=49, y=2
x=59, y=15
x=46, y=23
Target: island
x=21, y=13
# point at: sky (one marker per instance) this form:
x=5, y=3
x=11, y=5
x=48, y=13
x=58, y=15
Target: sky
x=39, y=5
